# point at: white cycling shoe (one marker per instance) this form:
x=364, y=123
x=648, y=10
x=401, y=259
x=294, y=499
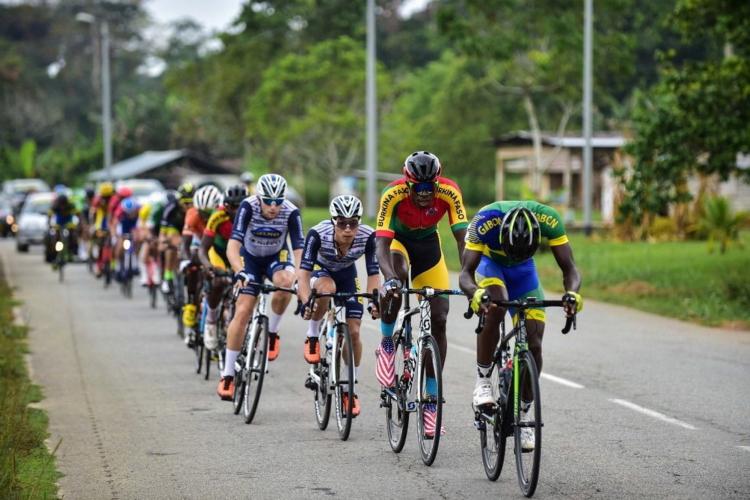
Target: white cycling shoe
x=483, y=393
x=527, y=433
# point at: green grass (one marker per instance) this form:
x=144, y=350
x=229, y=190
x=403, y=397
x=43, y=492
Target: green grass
x=27, y=469
x=677, y=279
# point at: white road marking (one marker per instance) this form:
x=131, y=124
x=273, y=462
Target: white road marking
x=467, y=350
x=652, y=413
x=562, y=381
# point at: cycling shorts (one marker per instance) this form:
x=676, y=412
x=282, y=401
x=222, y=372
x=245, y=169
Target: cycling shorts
x=426, y=260
x=217, y=260
x=260, y=268
x=521, y=281
x=346, y=281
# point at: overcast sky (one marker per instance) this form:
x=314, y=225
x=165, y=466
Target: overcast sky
x=218, y=14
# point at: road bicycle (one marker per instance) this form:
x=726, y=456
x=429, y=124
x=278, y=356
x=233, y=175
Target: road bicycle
x=512, y=375
x=224, y=315
x=61, y=237
x=325, y=378
x=252, y=361
x=418, y=358
x=127, y=266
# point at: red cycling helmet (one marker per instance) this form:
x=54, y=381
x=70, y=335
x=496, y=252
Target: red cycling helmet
x=124, y=192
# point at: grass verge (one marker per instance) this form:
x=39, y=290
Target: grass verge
x=27, y=468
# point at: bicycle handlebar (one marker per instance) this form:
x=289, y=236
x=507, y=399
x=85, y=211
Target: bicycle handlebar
x=527, y=303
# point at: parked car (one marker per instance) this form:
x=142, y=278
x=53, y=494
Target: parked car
x=33, y=221
x=17, y=189
x=7, y=218
x=142, y=188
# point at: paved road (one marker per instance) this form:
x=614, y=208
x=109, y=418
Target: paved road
x=641, y=406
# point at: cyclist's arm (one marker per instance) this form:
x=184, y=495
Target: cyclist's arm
x=187, y=239
x=460, y=236
x=469, y=262
x=233, y=255
x=564, y=257
x=305, y=267
x=383, y=246
x=206, y=243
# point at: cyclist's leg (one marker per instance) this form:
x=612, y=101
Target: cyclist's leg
x=429, y=269
x=281, y=272
x=385, y=370
x=242, y=313
x=322, y=282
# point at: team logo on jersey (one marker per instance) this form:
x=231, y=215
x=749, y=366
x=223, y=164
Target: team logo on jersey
x=266, y=232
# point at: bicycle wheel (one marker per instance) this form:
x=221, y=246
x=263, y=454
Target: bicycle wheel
x=257, y=353
x=60, y=266
x=240, y=380
x=152, y=293
x=344, y=382
x=492, y=439
x=430, y=357
x=322, y=397
x=527, y=462
x=396, y=413
x=198, y=349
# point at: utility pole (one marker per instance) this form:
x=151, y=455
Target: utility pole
x=85, y=17
x=372, y=115
x=587, y=97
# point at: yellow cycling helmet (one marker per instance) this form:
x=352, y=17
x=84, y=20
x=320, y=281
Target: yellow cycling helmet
x=106, y=189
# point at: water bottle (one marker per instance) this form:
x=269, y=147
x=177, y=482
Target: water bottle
x=329, y=344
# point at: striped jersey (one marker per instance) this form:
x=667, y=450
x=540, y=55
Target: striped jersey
x=321, y=249
x=263, y=237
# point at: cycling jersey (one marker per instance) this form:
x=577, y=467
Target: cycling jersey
x=126, y=223
x=194, y=223
x=62, y=211
x=219, y=227
x=263, y=237
x=484, y=231
x=100, y=204
x=320, y=249
x=400, y=216
x=173, y=218
x=154, y=218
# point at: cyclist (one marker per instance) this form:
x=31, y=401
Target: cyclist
x=86, y=222
x=248, y=179
x=213, y=255
x=331, y=250
x=62, y=214
x=125, y=216
x=500, y=245
x=258, y=248
x=408, y=242
x=148, y=254
x=98, y=214
x=206, y=200
x=170, y=232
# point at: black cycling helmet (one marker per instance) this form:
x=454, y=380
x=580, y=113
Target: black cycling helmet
x=234, y=195
x=520, y=234
x=89, y=192
x=422, y=166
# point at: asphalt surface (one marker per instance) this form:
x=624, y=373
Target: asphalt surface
x=641, y=406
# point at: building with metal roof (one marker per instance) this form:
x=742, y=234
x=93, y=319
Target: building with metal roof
x=170, y=167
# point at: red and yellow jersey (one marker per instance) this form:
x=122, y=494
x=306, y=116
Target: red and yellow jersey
x=399, y=215
x=194, y=223
x=219, y=227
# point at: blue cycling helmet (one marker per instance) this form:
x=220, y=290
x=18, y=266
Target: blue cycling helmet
x=60, y=189
x=129, y=205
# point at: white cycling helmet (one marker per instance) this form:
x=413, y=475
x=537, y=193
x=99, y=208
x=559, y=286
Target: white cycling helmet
x=346, y=206
x=271, y=186
x=207, y=198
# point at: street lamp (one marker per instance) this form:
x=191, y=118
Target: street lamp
x=85, y=17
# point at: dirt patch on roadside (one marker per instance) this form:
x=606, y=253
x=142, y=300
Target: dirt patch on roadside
x=736, y=325
x=635, y=287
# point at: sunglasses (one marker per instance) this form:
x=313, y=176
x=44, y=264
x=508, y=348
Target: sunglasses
x=346, y=223
x=272, y=201
x=422, y=187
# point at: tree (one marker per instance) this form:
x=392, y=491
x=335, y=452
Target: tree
x=309, y=110
x=697, y=118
